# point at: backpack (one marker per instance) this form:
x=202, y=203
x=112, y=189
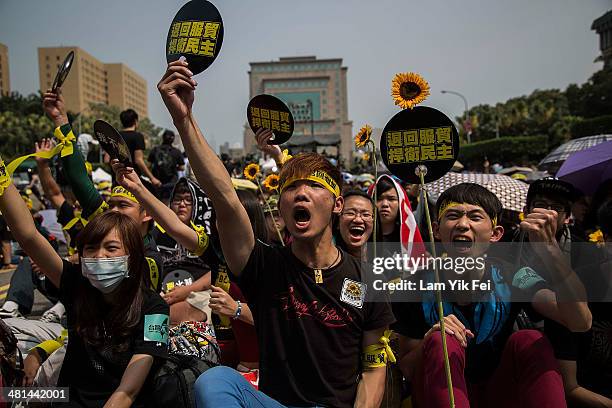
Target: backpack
x=171, y=385
x=11, y=361
x=164, y=165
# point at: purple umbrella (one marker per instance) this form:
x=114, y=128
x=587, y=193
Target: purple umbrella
x=587, y=169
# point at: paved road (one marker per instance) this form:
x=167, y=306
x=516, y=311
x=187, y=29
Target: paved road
x=40, y=302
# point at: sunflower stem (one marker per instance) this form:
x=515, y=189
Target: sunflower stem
x=375, y=224
x=270, y=210
x=449, y=379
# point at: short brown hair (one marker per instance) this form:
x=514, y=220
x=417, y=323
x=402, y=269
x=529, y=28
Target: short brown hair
x=304, y=164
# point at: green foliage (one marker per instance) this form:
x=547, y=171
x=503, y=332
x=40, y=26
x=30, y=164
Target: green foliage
x=22, y=122
x=519, y=150
x=594, y=126
x=593, y=98
x=526, y=115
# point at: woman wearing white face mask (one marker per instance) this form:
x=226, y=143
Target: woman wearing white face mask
x=117, y=326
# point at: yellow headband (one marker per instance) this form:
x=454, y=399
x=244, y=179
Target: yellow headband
x=119, y=191
x=320, y=177
x=447, y=205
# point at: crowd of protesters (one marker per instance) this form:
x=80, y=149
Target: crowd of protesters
x=268, y=287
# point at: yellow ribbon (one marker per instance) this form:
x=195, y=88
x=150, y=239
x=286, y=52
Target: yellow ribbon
x=72, y=222
x=286, y=157
x=320, y=177
x=65, y=141
x=49, y=346
x=202, y=239
x=379, y=354
x=65, y=147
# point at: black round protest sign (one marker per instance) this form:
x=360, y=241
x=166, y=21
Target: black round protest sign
x=62, y=72
x=197, y=34
x=175, y=278
x=112, y=142
x=269, y=112
x=419, y=136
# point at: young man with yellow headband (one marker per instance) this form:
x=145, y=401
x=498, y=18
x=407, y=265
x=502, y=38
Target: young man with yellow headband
x=490, y=365
x=307, y=298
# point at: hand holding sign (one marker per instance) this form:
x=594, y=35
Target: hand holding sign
x=197, y=34
x=62, y=72
x=269, y=112
x=112, y=142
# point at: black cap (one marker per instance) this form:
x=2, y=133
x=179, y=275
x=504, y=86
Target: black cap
x=552, y=185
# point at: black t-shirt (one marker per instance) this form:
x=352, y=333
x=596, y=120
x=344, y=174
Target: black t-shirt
x=165, y=161
x=491, y=322
x=135, y=141
x=309, y=334
x=155, y=262
x=93, y=374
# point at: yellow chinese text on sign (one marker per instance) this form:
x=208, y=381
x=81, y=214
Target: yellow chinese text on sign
x=194, y=37
x=419, y=145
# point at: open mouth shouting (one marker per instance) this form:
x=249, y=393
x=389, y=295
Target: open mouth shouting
x=462, y=243
x=301, y=216
x=356, y=233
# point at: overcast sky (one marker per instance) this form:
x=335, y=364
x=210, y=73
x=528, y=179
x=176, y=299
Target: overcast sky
x=489, y=50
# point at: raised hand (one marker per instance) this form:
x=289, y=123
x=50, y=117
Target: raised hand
x=263, y=136
x=44, y=145
x=541, y=226
x=126, y=177
x=53, y=105
x=177, y=90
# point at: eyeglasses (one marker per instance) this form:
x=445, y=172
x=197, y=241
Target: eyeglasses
x=549, y=206
x=186, y=200
x=365, y=215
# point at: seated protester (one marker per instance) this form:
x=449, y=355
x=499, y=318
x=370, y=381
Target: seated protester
x=490, y=365
x=182, y=234
x=554, y=194
x=310, y=338
x=585, y=358
x=85, y=192
x=27, y=277
x=399, y=230
x=356, y=223
x=117, y=326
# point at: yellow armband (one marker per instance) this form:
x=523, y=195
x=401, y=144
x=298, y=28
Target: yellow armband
x=379, y=354
x=202, y=239
x=153, y=273
x=49, y=346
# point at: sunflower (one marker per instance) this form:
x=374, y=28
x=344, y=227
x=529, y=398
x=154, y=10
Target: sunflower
x=251, y=171
x=272, y=182
x=597, y=237
x=409, y=89
x=366, y=157
x=363, y=136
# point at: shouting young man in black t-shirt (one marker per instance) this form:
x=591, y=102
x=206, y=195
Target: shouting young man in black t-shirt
x=308, y=298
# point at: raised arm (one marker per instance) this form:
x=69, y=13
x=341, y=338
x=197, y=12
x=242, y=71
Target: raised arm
x=73, y=164
x=177, y=90
x=50, y=188
x=20, y=221
x=567, y=302
x=161, y=213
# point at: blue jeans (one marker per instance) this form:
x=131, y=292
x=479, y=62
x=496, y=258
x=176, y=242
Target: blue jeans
x=225, y=387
